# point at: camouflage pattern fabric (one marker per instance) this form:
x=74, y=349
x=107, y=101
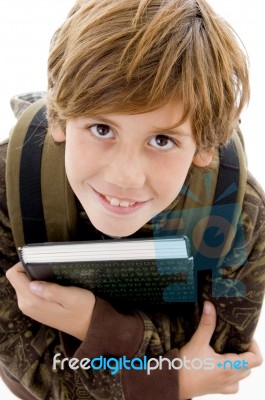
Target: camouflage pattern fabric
x=27, y=347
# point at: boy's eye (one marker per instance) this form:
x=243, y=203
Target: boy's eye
x=101, y=131
x=162, y=142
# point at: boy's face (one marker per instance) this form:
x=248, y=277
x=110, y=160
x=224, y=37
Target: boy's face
x=125, y=169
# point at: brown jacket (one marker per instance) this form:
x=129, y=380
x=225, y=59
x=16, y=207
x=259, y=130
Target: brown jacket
x=27, y=347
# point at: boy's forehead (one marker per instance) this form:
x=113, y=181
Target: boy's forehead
x=165, y=118
x=172, y=110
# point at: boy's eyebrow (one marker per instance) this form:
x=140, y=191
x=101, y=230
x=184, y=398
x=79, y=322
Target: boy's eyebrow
x=172, y=130
x=106, y=120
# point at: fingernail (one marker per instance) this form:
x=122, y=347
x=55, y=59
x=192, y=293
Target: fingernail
x=36, y=286
x=206, y=308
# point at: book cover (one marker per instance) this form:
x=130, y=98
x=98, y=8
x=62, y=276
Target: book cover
x=134, y=271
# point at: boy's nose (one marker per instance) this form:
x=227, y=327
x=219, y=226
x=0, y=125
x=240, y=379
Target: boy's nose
x=126, y=170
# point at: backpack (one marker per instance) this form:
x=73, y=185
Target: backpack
x=42, y=205
x=38, y=198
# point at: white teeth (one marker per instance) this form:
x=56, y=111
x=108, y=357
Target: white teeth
x=116, y=202
x=124, y=203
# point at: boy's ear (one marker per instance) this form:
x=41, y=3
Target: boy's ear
x=57, y=134
x=203, y=159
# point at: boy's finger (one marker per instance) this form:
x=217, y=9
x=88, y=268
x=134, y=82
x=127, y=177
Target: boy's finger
x=65, y=296
x=17, y=276
x=253, y=356
x=49, y=291
x=206, y=327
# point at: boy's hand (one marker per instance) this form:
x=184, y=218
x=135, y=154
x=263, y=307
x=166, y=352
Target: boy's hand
x=198, y=382
x=68, y=309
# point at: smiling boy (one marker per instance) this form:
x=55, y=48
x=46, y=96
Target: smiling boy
x=143, y=95
x=125, y=169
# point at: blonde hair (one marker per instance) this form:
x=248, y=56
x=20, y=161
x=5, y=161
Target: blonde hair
x=120, y=56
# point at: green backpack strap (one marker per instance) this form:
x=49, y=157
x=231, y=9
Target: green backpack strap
x=41, y=204
x=216, y=197
x=208, y=212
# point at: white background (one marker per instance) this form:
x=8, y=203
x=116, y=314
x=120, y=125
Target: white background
x=26, y=27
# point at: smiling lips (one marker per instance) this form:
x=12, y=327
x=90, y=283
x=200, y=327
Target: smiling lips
x=116, y=202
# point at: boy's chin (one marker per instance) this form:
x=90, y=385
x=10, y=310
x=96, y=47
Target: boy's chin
x=117, y=231
x=114, y=233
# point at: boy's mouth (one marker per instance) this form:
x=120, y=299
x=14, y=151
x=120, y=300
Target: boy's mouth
x=119, y=203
